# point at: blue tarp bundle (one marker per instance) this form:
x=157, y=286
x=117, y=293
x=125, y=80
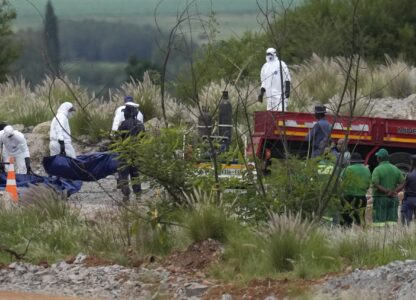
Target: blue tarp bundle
x=88, y=167
x=23, y=180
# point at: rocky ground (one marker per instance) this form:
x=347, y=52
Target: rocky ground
x=397, y=280
x=180, y=276
x=90, y=277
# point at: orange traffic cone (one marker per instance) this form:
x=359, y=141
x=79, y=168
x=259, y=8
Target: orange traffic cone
x=11, y=187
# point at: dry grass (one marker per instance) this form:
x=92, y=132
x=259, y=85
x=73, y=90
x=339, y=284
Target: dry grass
x=321, y=80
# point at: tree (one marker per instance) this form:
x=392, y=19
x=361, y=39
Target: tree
x=136, y=68
x=322, y=27
x=8, y=51
x=51, y=39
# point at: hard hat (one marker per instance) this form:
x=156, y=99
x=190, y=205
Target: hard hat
x=8, y=131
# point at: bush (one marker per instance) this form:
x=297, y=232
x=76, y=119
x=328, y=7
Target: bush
x=207, y=219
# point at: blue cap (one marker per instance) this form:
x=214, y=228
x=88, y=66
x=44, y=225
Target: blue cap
x=128, y=99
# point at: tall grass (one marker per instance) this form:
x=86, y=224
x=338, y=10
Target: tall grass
x=148, y=95
x=205, y=218
x=291, y=247
x=44, y=225
x=321, y=80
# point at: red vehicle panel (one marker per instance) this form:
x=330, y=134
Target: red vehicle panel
x=365, y=134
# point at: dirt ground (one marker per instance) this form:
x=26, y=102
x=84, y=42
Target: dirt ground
x=195, y=258
x=260, y=289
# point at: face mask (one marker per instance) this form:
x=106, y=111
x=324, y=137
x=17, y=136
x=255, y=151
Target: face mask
x=71, y=113
x=269, y=57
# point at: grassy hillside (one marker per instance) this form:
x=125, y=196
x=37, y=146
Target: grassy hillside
x=234, y=16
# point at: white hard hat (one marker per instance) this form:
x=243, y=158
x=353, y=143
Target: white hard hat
x=271, y=51
x=8, y=130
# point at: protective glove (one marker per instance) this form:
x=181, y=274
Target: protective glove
x=262, y=91
x=27, y=163
x=62, y=144
x=287, y=89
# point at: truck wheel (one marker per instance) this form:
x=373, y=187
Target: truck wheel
x=402, y=160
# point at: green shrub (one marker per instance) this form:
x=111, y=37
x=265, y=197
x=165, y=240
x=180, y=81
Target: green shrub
x=284, y=249
x=207, y=218
x=244, y=257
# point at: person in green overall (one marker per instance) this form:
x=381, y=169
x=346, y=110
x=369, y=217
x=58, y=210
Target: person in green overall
x=385, y=178
x=356, y=180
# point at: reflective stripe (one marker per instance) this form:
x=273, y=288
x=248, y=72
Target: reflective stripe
x=378, y=224
x=11, y=182
x=325, y=169
x=337, y=125
x=289, y=123
x=361, y=127
x=396, y=139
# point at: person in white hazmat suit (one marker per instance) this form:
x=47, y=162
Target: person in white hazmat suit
x=119, y=113
x=60, y=133
x=13, y=143
x=275, y=82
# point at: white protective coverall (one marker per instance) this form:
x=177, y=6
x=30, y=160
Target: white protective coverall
x=60, y=131
x=13, y=143
x=272, y=81
x=119, y=116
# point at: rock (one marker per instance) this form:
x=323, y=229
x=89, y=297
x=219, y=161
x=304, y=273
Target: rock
x=195, y=289
x=42, y=128
x=80, y=258
x=226, y=297
x=19, y=127
x=270, y=298
x=38, y=145
x=13, y=265
x=47, y=278
x=153, y=125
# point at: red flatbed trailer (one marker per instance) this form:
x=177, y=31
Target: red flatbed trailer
x=366, y=135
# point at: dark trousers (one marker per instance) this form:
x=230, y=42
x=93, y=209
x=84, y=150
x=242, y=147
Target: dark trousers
x=353, y=209
x=123, y=180
x=408, y=208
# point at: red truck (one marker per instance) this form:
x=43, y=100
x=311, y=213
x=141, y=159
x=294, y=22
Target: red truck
x=366, y=135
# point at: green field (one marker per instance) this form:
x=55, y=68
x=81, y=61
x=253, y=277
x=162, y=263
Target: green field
x=233, y=16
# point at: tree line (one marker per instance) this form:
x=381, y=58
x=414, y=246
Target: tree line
x=317, y=26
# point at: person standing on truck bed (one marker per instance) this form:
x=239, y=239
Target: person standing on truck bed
x=386, y=179
x=319, y=136
x=275, y=82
